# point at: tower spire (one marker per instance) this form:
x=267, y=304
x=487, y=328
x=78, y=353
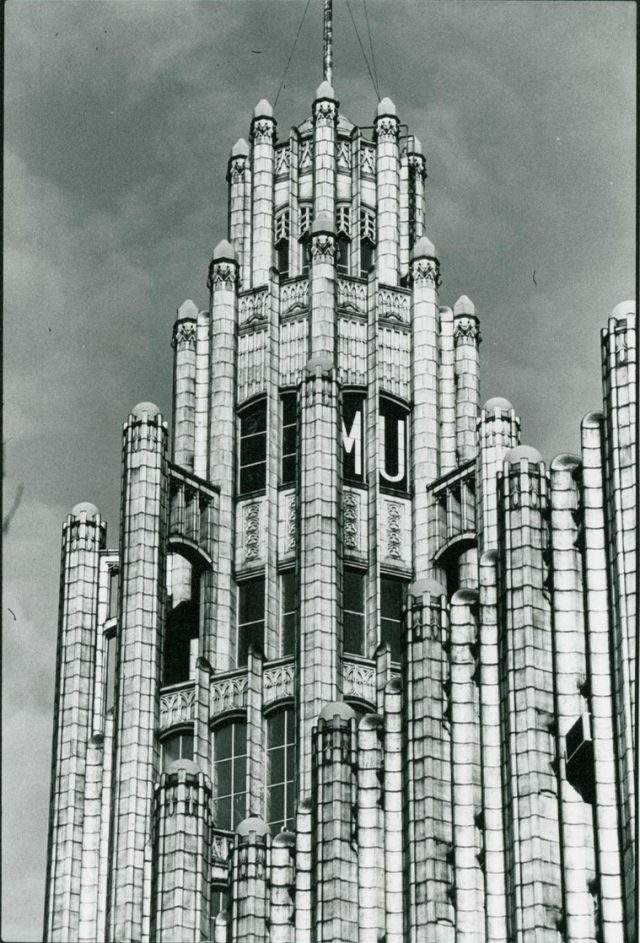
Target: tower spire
x=327, y=42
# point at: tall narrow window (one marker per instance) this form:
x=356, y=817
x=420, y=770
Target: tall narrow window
x=114, y=583
x=343, y=228
x=353, y=612
x=305, y=230
x=393, y=593
x=253, y=447
x=393, y=445
x=281, y=241
x=110, y=672
x=230, y=773
x=281, y=757
x=177, y=746
x=367, y=241
x=219, y=903
x=288, y=611
x=250, y=618
x=352, y=439
x=289, y=438
x=181, y=642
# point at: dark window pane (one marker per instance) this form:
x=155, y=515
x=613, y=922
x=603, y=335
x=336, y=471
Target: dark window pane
x=187, y=746
x=253, y=449
x=223, y=812
x=222, y=742
x=218, y=902
x=170, y=751
x=289, y=590
x=276, y=729
x=276, y=803
x=253, y=478
x=251, y=606
x=282, y=250
x=254, y=419
x=289, y=409
x=291, y=764
x=353, y=633
x=239, y=808
x=366, y=257
x=110, y=685
x=114, y=581
x=240, y=773
x=343, y=255
x=289, y=634
x=289, y=438
x=393, y=595
x=276, y=765
x=353, y=590
x=288, y=469
x=240, y=739
x=223, y=777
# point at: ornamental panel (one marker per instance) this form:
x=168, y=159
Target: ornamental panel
x=293, y=351
x=228, y=694
x=250, y=531
x=394, y=361
x=354, y=531
x=395, y=537
x=277, y=683
x=359, y=681
x=252, y=353
x=352, y=351
x=177, y=707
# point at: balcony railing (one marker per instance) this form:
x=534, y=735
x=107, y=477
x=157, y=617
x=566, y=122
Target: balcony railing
x=192, y=505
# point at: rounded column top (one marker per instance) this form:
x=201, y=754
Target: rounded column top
x=464, y=306
x=592, y=420
x=143, y=410
x=84, y=508
x=497, y=402
x=225, y=251
x=253, y=824
x=240, y=148
x=336, y=709
x=423, y=249
x=263, y=109
x=626, y=309
x=284, y=839
x=187, y=765
x=564, y=461
x=420, y=587
x=187, y=310
x=323, y=223
x=386, y=109
x=465, y=597
x=325, y=90
x=515, y=455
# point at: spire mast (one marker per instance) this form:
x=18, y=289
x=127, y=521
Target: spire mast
x=327, y=41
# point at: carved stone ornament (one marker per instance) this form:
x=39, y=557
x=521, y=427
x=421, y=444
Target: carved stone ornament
x=222, y=275
x=291, y=524
x=252, y=531
x=325, y=112
x=351, y=522
x=278, y=683
x=184, y=334
x=323, y=247
x=237, y=169
x=387, y=128
x=177, y=707
x=467, y=329
x=262, y=130
x=418, y=163
x=394, y=533
x=427, y=270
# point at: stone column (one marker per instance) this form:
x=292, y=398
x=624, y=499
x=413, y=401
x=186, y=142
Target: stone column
x=223, y=283
x=427, y=759
x=83, y=537
x=263, y=128
x=238, y=178
x=491, y=754
x=250, y=873
x=201, y=422
x=530, y=800
x=182, y=855
x=91, y=886
x=465, y=769
x=417, y=177
x=370, y=830
x=393, y=807
x=325, y=116
x=467, y=340
x=424, y=367
x=447, y=392
x=386, y=130
x=303, y=895
x=404, y=222
x=184, y=385
x=619, y=355
x=498, y=430
x=256, y=799
x=576, y=817
x=143, y=535
x=335, y=863
x=597, y=609
x=283, y=880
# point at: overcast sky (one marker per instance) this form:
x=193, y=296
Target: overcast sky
x=119, y=117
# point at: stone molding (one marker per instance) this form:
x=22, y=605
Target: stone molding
x=184, y=335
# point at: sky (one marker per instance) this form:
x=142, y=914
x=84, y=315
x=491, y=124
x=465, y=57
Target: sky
x=119, y=117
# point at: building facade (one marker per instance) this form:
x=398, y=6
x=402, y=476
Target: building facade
x=362, y=668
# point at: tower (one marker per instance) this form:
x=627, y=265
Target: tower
x=361, y=667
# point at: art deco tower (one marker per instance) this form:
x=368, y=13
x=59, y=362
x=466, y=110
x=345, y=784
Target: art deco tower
x=362, y=667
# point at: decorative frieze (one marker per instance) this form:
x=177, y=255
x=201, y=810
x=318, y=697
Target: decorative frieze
x=237, y=167
x=177, y=707
x=395, y=540
x=228, y=694
x=394, y=305
x=352, y=350
x=387, y=128
x=394, y=532
x=359, y=681
x=305, y=158
x=351, y=521
x=287, y=524
x=254, y=307
x=251, y=521
x=252, y=348
x=283, y=160
x=294, y=297
x=394, y=360
x=277, y=683
x=367, y=159
x=352, y=296
x=344, y=156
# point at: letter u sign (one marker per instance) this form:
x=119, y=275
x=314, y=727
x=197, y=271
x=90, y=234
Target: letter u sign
x=392, y=432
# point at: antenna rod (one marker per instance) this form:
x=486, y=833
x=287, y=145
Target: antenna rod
x=327, y=41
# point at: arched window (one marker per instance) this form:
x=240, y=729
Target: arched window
x=281, y=241
x=253, y=447
x=393, y=597
x=177, y=745
x=230, y=772
x=281, y=768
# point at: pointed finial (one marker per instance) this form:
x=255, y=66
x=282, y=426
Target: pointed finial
x=240, y=148
x=327, y=42
x=187, y=310
x=263, y=109
x=224, y=250
x=464, y=305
